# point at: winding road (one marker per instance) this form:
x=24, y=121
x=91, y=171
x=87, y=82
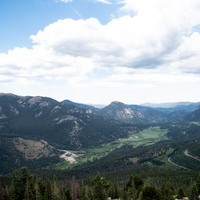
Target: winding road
x=187, y=154
x=176, y=164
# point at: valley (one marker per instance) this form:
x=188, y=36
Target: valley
x=70, y=139
x=146, y=137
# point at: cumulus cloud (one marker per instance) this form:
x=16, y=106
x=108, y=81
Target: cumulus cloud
x=157, y=37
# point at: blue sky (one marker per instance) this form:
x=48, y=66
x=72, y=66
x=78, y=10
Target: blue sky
x=98, y=51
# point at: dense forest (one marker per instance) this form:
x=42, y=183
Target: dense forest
x=28, y=187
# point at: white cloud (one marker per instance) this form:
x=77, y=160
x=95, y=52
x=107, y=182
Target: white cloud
x=159, y=78
x=158, y=38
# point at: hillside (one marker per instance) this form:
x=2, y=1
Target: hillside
x=93, y=136
x=62, y=125
x=79, y=105
x=138, y=114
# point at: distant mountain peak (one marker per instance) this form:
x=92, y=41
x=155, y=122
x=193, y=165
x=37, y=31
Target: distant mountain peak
x=198, y=108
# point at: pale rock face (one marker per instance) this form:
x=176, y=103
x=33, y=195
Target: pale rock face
x=125, y=113
x=14, y=110
x=75, y=110
x=128, y=111
x=56, y=109
x=88, y=111
x=44, y=103
x=37, y=115
x=3, y=116
x=65, y=118
x=140, y=114
x=34, y=100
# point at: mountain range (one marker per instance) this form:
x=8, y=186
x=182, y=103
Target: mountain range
x=75, y=126
x=136, y=114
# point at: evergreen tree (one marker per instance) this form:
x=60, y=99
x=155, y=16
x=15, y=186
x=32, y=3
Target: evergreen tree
x=15, y=190
x=116, y=191
x=181, y=193
x=4, y=194
x=67, y=194
x=124, y=194
x=48, y=194
x=19, y=183
x=24, y=177
x=41, y=186
x=167, y=193
x=56, y=188
x=38, y=195
x=28, y=195
x=99, y=185
x=194, y=195
x=74, y=190
x=150, y=193
x=198, y=184
x=136, y=180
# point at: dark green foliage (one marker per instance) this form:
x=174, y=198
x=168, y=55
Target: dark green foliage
x=21, y=182
x=194, y=195
x=150, y=193
x=67, y=194
x=28, y=195
x=198, y=184
x=4, y=194
x=136, y=180
x=167, y=193
x=125, y=194
x=100, y=185
x=48, y=194
x=185, y=161
x=181, y=193
x=56, y=188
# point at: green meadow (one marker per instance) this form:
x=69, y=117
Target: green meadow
x=145, y=137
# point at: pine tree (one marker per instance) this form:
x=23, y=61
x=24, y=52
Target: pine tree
x=67, y=194
x=181, y=193
x=116, y=191
x=15, y=190
x=150, y=193
x=198, y=184
x=99, y=185
x=41, y=186
x=56, y=188
x=74, y=191
x=194, y=195
x=48, y=194
x=28, y=195
x=24, y=176
x=38, y=195
x=124, y=194
x=19, y=183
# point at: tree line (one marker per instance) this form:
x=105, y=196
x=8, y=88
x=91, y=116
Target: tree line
x=27, y=187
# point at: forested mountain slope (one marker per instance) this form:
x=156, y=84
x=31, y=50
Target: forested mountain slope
x=62, y=125
x=138, y=114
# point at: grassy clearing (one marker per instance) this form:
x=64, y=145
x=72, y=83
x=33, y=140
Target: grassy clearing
x=197, y=123
x=31, y=148
x=62, y=165
x=146, y=137
x=164, y=159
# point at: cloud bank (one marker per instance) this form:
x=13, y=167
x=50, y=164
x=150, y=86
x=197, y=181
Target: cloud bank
x=157, y=39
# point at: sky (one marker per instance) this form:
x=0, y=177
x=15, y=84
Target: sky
x=99, y=51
